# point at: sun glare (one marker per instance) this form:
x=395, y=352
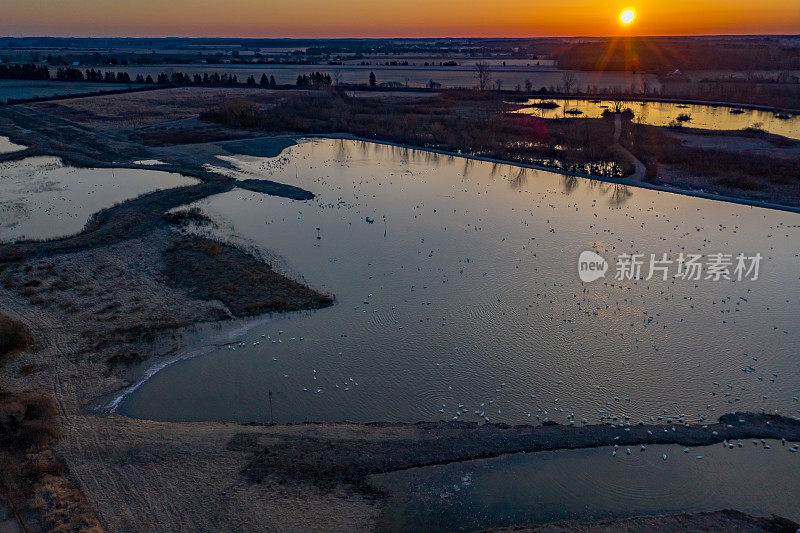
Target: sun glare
x=627, y=16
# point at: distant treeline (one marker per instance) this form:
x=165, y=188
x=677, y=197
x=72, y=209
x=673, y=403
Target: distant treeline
x=74, y=74
x=315, y=79
x=666, y=55
x=24, y=72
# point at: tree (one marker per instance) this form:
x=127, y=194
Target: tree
x=528, y=86
x=569, y=80
x=272, y=81
x=373, y=81
x=264, y=81
x=483, y=73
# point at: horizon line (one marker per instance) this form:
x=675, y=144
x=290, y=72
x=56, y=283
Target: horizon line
x=349, y=38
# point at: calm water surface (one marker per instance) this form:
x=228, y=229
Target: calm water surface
x=466, y=301
x=25, y=89
x=41, y=198
x=590, y=484
x=664, y=113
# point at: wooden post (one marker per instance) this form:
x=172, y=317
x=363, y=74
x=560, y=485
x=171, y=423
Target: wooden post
x=271, y=420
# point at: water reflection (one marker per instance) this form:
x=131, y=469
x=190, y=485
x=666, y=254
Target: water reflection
x=466, y=302
x=40, y=198
x=665, y=114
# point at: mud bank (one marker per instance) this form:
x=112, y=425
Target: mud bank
x=330, y=462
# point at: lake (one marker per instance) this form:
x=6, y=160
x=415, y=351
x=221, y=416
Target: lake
x=41, y=198
x=458, y=296
x=664, y=113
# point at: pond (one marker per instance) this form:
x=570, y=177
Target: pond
x=458, y=296
x=591, y=484
x=41, y=198
x=665, y=113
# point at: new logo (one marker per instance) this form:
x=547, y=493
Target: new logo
x=591, y=266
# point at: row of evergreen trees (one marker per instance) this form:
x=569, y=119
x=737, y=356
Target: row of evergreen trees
x=264, y=81
x=175, y=78
x=41, y=72
x=24, y=72
x=315, y=80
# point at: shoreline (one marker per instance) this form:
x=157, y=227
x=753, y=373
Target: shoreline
x=618, y=181
x=665, y=100
x=331, y=461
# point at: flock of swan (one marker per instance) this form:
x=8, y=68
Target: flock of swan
x=491, y=247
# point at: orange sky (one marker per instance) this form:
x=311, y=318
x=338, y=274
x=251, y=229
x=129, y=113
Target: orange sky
x=392, y=18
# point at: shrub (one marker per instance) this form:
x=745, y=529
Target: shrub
x=14, y=335
x=240, y=113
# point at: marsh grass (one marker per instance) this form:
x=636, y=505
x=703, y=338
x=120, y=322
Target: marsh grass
x=212, y=270
x=727, y=169
x=32, y=476
x=458, y=121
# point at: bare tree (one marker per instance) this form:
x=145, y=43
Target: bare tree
x=617, y=105
x=484, y=74
x=499, y=85
x=569, y=80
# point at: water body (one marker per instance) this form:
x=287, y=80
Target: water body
x=25, y=89
x=544, y=75
x=41, y=198
x=466, y=301
x=664, y=113
x=6, y=146
x=591, y=484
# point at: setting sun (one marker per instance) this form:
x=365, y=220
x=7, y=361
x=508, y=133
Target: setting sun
x=627, y=16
